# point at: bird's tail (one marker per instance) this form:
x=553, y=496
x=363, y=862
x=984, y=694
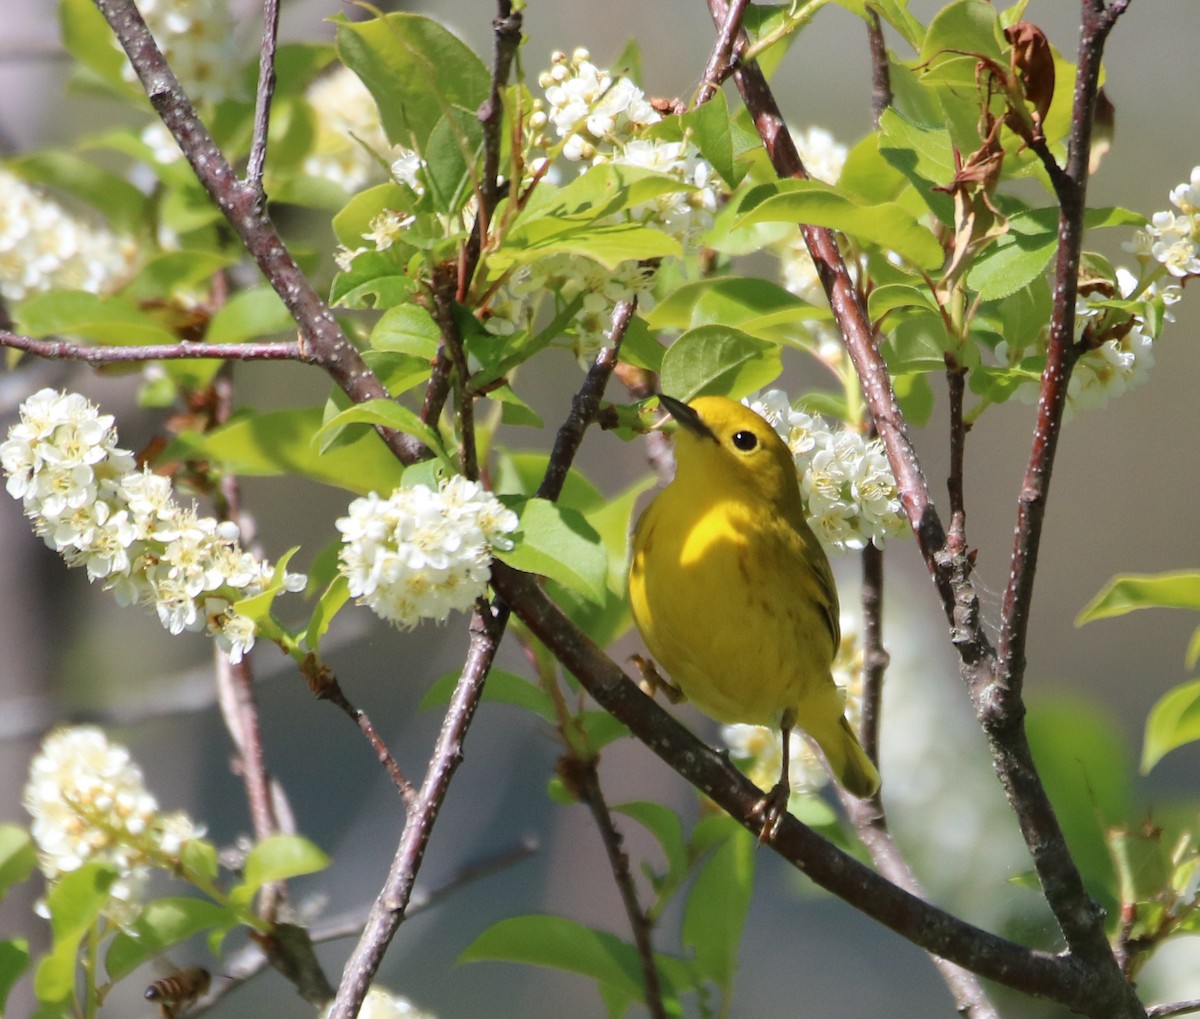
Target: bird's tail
x=849, y=762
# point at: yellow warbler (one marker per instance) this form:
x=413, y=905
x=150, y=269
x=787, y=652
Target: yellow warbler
x=734, y=596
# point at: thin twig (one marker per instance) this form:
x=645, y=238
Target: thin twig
x=61, y=350
x=584, y=780
x=263, y=95
x=720, y=60
x=325, y=686
x=388, y=911
x=322, y=341
x=248, y=962
x=585, y=406
x=506, y=40
x=970, y=998
x=881, y=79
x=1173, y=1008
x=956, y=376
x=875, y=656
x=452, y=342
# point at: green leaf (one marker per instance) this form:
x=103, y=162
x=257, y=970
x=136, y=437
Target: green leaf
x=328, y=605
x=502, y=686
x=17, y=857
x=717, y=907
x=922, y=153
x=453, y=155
x=664, y=824
x=163, y=923
x=249, y=314
x=1173, y=722
x=415, y=69
x=1082, y=757
x=559, y=543
x=1129, y=591
x=521, y=473
x=277, y=859
x=709, y=125
x=886, y=224
x=726, y=300
x=171, y=271
x=388, y=414
x=1021, y=255
x=14, y=961
x=75, y=903
x=198, y=860
x=90, y=317
x=281, y=443
x=88, y=39
x=717, y=359
x=122, y=204
x=966, y=26
x=406, y=329
x=558, y=943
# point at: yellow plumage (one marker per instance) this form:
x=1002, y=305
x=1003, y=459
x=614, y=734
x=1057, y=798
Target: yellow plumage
x=733, y=594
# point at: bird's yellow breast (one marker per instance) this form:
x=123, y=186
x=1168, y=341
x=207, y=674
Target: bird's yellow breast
x=725, y=597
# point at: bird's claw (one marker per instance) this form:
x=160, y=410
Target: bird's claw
x=772, y=808
x=652, y=681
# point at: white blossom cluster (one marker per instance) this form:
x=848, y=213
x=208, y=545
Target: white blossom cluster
x=1121, y=350
x=590, y=109
x=1173, y=237
x=848, y=487
x=43, y=247
x=382, y=1004
x=1124, y=361
x=761, y=747
x=89, y=802
x=569, y=277
x=196, y=37
x=423, y=553
x=603, y=119
x=89, y=502
x=351, y=148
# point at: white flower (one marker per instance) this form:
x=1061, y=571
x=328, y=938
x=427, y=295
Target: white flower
x=422, y=553
x=89, y=802
x=43, y=247
x=351, y=148
x=387, y=227
x=88, y=501
x=847, y=484
x=590, y=110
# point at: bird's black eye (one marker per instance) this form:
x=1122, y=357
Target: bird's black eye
x=745, y=441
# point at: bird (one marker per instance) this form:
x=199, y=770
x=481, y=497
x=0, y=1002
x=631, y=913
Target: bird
x=733, y=594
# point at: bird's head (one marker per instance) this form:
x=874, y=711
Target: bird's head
x=727, y=445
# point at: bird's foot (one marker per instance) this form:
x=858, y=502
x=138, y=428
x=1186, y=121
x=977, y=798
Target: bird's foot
x=772, y=808
x=652, y=681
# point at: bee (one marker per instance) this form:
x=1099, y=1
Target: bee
x=175, y=992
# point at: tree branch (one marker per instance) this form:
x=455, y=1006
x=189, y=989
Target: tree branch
x=583, y=780
x=718, y=67
x=1034, y=972
x=61, y=350
x=388, y=910
x=263, y=95
x=322, y=341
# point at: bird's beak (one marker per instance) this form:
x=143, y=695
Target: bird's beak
x=687, y=417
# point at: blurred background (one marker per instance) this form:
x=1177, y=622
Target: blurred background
x=1123, y=499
